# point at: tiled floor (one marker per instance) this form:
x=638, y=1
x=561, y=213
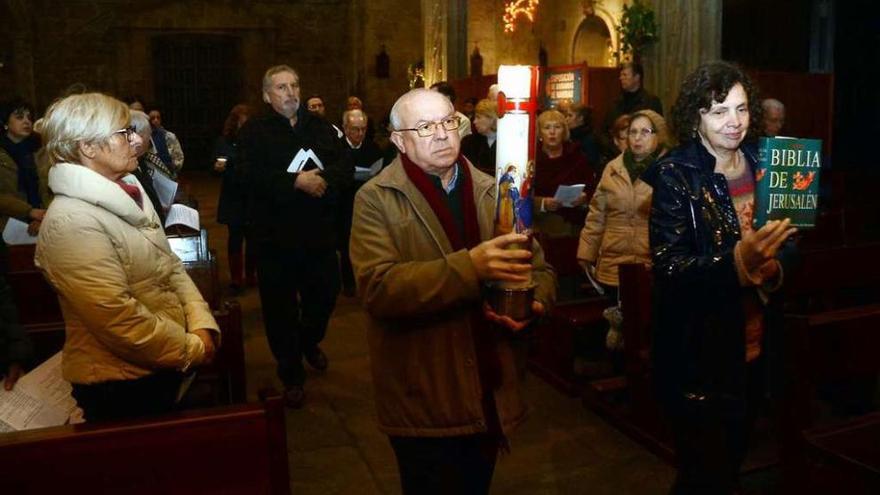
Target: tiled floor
x=335, y=447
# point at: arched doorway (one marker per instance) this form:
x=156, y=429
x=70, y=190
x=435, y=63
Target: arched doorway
x=198, y=78
x=592, y=43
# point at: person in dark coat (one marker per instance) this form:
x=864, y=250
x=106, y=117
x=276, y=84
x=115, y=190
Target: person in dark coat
x=479, y=146
x=147, y=161
x=716, y=279
x=363, y=153
x=20, y=141
x=232, y=204
x=295, y=169
x=633, y=95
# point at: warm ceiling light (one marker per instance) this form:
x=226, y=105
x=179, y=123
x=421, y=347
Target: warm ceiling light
x=516, y=8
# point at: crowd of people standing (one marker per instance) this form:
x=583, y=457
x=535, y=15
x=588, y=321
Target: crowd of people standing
x=314, y=209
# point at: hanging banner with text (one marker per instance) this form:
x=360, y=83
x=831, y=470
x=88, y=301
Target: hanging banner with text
x=565, y=82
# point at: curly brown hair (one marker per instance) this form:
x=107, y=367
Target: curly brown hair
x=710, y=83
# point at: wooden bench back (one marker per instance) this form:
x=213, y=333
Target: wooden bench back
x=818, y=347
x=230, y=450
x=834, y=278
x=636, y=283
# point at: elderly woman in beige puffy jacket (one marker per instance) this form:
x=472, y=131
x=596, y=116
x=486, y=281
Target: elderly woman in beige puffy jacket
x=134, y=320
x=616, y=227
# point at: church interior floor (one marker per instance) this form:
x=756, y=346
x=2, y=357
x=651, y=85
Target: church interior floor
x=335, y=447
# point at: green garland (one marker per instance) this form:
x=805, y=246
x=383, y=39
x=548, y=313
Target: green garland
x=638, y=28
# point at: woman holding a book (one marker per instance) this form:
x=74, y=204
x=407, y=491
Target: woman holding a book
x=716, y=278
x=559, y=162
x=134, y=321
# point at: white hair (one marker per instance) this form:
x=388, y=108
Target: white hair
x=772, y=104
x=81, y=118
x=140, y=121
x=353, y=114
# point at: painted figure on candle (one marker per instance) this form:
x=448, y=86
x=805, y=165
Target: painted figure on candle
x=508, y=195
x=524, y=202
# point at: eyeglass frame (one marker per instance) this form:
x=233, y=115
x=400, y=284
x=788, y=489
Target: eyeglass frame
x=128, y=132
x=432, y=126
x=643, y=132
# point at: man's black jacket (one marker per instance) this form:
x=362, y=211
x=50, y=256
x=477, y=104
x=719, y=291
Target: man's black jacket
x=280, y=214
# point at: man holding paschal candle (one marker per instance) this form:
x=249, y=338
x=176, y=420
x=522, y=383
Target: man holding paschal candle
x=423, y=247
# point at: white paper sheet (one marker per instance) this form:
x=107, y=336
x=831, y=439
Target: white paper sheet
x=301, y=159
x=180, y=214
x=15, y=233
x=365, y=173
x=593, y=281
x=40, y=399
x=46, y=383
x=566, y=195
x=165, y=188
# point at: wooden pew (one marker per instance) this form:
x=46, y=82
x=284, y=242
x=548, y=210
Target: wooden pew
x=552, y=355
x=39, y=312
x=831, y=345
x=826, y=279
x=845, y=458
x=834, y=278
x=224, y=380
x=637, y=412
x=239, y=449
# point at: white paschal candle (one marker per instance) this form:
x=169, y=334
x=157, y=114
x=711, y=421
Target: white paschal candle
x=515, y=148
x=512, y=170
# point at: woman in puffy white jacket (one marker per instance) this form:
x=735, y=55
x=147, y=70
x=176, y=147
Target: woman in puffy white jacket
x=134, y=320
x=616, y=228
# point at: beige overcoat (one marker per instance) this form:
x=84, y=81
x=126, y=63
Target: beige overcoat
x=616, y=227
x=127, y=302
x=420, y=296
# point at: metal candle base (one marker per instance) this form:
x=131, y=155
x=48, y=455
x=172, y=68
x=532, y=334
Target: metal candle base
x=515, y=303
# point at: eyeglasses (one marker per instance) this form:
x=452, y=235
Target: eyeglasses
x=129, y=133
x=426, y=129
x=641, y=132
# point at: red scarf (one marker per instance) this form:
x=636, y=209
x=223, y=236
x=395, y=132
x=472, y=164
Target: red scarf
x=133, y=191
x=438, y=204
x=485, y=335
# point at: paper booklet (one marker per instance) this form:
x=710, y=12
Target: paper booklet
x=594, y=282
x=364, y=174
x=15, y=233
x=180, y=214
x=567, y=195
x=302, y=158
x=40, y=399
x=165, y=188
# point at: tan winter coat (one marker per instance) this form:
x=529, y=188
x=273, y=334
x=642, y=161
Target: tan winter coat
x=420, y=295
x=616, y=228
x=128, y=304
x=13, y=202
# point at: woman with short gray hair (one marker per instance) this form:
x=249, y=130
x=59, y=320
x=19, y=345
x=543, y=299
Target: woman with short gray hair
x=134, y=320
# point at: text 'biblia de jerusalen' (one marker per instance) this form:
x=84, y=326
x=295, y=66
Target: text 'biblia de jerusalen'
x=797, y=181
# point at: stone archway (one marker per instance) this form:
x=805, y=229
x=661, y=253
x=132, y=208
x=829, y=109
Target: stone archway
x=595, y=40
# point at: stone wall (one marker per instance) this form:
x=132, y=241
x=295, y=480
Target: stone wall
x=397, y=24
x=106, y=46
x=555, y=27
